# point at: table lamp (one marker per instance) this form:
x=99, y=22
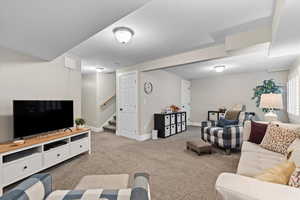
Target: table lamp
x=271, y=101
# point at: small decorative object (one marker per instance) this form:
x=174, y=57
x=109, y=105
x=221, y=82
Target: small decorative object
x=174, y=108
x=269, y=86
x=80, y=122
x=271, y=102
x=148, y=87
x=167, y=110
x=222, y=109
x=19, y=142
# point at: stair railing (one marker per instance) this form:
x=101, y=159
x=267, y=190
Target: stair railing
x=108, y=100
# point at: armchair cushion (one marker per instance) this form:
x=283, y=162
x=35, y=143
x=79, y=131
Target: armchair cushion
x=232, y=114
x=226, y=122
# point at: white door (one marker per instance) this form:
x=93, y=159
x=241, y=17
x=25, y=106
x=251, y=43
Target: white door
x=186, y=98
x=127, y=105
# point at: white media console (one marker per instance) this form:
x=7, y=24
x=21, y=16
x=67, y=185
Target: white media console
x=36, y=154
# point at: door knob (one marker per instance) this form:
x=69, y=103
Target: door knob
x=121, y=109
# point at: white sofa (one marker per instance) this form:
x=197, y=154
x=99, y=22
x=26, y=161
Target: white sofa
x=253, y=161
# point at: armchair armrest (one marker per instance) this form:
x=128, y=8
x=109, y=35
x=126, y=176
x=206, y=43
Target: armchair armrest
x=140, y=189
x=210, y=123
x=36, y=187
x=234, y=130
x=237, y=187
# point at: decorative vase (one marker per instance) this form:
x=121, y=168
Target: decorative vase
x=81, y=126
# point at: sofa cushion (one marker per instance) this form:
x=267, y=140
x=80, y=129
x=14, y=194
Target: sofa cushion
x=278, y=139
x=279, y=174
x=255, y=159
x=293, y=152
x=258, y=131
x=236, y=187
x=252, y=147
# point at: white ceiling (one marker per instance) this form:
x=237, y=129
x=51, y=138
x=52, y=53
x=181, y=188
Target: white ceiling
x=287, y=38
x=259, y=61
x=48, y=28
x=167, y=27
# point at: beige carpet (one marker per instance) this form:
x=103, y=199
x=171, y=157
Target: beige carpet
x=175, y=173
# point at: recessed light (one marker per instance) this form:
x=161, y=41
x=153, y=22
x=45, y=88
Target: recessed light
x=220, y=68
x=99, y=69
x=123, y=34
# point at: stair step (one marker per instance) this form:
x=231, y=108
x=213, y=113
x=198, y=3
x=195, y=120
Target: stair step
x=112, y=122
x=110, y=128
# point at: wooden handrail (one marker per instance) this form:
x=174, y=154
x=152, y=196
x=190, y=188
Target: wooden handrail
x=105, y=102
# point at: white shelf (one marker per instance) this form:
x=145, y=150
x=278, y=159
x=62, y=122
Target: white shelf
x=21, y=163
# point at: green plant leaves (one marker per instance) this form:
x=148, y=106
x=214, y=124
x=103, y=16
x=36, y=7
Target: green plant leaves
x=269, y=86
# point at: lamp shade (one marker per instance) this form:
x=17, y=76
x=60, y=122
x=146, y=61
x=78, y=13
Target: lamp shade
x=273, y=101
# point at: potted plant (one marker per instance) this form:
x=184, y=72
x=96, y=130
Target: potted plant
x=80, y=122
x=268, y=86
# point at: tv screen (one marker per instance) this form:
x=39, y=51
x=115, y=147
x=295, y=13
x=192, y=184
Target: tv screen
x=34, y=117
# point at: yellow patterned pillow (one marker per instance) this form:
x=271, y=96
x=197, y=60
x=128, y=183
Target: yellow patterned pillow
x=278, y=139
x=279, y=174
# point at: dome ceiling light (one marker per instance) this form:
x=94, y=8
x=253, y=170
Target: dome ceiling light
x=220, y=68
x=123, y=34
x=99, y=69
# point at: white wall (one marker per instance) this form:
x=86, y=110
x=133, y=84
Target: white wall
x=106, y=89
x=227, y=90
x=295, y=70
x=25, y=77
x=166, y=92
x=89, y=99
x=96, y=89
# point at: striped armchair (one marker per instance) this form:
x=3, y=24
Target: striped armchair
x=228, y=137
x=39, y=187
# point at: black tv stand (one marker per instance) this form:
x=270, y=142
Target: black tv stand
x=67, y=129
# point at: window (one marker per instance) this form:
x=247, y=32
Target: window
x=293, y=96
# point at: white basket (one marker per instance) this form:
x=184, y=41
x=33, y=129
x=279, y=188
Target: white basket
x=154, y=134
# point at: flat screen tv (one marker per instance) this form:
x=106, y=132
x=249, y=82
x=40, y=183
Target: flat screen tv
x=35, y=117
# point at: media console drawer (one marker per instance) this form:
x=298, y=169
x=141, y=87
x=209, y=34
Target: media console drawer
x=57, y=155
x=22, y=168
x=79, y=146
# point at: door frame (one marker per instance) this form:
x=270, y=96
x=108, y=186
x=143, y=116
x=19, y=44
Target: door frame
x=118, y=132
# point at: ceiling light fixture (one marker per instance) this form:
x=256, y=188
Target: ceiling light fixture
x=99, y=69
x=123, y=34
x=220, y=68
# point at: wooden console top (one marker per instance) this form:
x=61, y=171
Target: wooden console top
x=10, y=146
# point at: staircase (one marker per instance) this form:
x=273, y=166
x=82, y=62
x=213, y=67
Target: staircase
x=111, y=126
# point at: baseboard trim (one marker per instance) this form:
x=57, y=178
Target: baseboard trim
x=96, y=129
x=140, y=138
x=195, y=124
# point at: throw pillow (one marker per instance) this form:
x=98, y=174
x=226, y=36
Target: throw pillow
x=278, y=139
x=295, y=178
x=232, y=114
x=295, y=145
x=257, y=133
x=225, y=122
x=279, y=174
